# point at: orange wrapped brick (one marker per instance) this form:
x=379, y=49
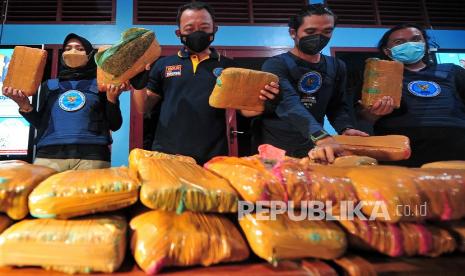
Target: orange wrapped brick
x=17, y=180
x=75, y=193
x=382, y=78
x=26, y=69
x=161, y=239
x=284, y=238
x=122, y=61
x=249, y=177
x=173, y=185
x=239, y=88
x=382, y=148
x=136, y=155
x=93, y=244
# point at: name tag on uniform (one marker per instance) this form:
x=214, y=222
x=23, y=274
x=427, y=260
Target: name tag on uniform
x=424, y=89
x=173, y=71
x=72, y=100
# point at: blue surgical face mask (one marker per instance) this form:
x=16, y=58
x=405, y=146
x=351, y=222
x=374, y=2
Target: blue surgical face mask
x=409, y=52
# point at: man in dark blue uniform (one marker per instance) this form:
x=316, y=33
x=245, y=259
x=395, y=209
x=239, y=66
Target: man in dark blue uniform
x=432, y=110
x=312, y=85
x=73, y=120
x=187, y=124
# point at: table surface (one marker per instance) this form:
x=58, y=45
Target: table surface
x=445, y=265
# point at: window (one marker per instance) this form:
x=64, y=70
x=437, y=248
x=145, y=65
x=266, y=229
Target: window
x=59, y=11
x=236, y=12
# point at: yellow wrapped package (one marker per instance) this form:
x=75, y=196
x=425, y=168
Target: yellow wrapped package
x=331, y=183
x=283, y=238
x=161, y=239
x=382, y=78
x=240, y=88
x=73, y=246
x=387, y=191
x=138, y=154
x=455, y=164
x=174, y=185
x=17, y=180
x=445, y=191
x=426, y=240
x=249, y=177
x=383, y=237
x=75, y=193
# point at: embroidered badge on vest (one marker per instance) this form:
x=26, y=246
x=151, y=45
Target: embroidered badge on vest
x=72, y=100
x=310, y=82
x=217, y=71
x=173, y=71
x=425, y=89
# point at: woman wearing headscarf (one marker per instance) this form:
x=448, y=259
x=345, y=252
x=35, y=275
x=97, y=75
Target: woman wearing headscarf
x=73, y=120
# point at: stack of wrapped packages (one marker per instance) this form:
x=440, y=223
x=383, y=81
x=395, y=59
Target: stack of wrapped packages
x=185, y=226
x=65, y=229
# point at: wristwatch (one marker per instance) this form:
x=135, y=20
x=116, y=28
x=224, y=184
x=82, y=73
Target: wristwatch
x=318, y=135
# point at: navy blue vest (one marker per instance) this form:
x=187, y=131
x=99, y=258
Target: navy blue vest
x=77, y=116
x=429, y=99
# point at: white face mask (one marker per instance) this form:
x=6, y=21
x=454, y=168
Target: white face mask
x=74, y=58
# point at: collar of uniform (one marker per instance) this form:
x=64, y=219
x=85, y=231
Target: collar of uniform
x=184, y=53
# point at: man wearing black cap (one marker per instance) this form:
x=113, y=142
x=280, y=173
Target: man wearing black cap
x=73, y=120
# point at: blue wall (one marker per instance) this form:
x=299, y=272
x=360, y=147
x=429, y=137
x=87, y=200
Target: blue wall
x=227, y=36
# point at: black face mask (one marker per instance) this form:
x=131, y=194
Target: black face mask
x=313, y=44
x=197, y=41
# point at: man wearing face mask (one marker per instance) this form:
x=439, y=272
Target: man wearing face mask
x=432, y=110
x=187, y=124
x=73, y=120
x=312, y=86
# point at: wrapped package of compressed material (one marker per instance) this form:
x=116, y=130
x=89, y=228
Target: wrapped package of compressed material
x=239, y=88
x=124, y=60
x=383, y=237
x=80, y=192
x=249, y=177
x=455, y=164
x=162, y=239
x=174, y=185
x=286, y=238
x=138, y=154
x=457, y=230
x=386, y=191
x=444, y=190
x=17, y=180
x=381, y=148
x=382, y=78
x=73, y=246
x=353, y=265
x=26, y=69
x=426, y=240
x=354, y=160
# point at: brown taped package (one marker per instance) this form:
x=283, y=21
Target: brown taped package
x=73, y=246
x=382, y=148
x=239, y=88
x=4, y=222
x=80, y=192
x=382, y=78
x=354, y=160
x=163, y=239
x=17, y=181
x=354, y=265
x=150, y=55
x=173, y=185
x=26, y=69
x=285, y=238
